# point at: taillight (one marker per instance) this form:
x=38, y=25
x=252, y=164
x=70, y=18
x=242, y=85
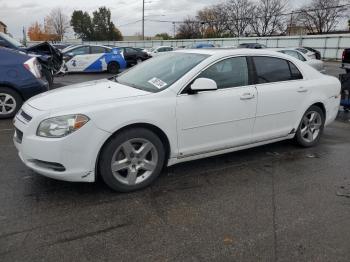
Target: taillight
x=33, y=66
x=343, y=55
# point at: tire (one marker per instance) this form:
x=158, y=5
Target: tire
x=137, y=156
x=48, y=76
x=10, y=102
x=311, y=127
x=113, y=68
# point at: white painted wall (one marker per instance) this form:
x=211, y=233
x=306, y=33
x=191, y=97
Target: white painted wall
x=331, y=46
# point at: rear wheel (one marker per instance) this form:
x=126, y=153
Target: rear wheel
x=132, y=160
x=113, y=68
x=311, y=127
x=10, y=102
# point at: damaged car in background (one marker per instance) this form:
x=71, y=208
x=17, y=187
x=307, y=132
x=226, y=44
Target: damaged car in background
x=50, y=58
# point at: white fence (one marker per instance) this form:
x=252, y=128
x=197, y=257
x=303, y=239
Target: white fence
x=330, y=46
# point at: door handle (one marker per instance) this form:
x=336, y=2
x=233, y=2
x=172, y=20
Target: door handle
x=247, y=96
x=302, y=90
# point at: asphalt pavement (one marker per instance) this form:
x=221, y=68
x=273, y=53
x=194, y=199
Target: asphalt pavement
x=277, y=202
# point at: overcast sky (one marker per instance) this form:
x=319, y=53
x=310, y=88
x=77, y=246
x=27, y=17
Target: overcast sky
x=19, y=13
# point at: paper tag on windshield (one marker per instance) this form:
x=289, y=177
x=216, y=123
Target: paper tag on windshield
x=157, y=82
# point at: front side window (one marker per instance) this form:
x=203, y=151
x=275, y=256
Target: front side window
x=160, y=72
x=271, y=69
x=231, y=72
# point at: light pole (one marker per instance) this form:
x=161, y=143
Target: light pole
x=174, y=28
x=143, y=19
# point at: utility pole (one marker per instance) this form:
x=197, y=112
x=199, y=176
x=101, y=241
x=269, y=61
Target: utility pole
x=174, y=25
x=143, y=19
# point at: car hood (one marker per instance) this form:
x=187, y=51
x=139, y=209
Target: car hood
x=88, y=93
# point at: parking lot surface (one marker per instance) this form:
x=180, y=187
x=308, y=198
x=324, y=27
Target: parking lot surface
x=277, y=202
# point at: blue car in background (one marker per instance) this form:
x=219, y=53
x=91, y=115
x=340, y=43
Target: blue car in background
x=203, y=45
x=20, y=78
x=49, y=57
x=93, y=58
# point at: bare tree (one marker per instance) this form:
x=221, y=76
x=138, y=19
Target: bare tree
x=58, y=22
x=321, y=16
x=239, y=14
x=190, y=28
x=213, y=20
x=268, y=17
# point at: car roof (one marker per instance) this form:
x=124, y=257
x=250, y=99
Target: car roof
x=75, y=46
x=224, y=52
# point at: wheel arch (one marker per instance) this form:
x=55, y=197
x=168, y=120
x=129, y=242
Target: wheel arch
x=158, y=131
x=322, y=107
x=12, y=87
x=317, y=103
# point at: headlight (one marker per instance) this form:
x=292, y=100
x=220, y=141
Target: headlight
x=61, y=126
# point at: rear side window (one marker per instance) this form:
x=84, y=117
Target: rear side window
x=231, y=72
x=97, y=50
x=295, y=73
x=271, y=69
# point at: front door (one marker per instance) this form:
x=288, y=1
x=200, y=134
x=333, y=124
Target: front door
x=218, y=119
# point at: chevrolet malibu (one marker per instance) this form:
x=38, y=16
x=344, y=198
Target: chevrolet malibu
x=180, y=106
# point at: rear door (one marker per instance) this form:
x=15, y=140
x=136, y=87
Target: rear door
x=281, y=89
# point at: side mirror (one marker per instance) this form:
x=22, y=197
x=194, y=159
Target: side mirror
x=203, y=84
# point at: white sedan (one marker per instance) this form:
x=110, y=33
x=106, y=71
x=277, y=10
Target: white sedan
x=159, y=50
x=294, y=52
x=177, y=107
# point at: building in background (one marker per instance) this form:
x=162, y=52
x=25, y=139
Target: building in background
x=3, y=27
x=295, y=29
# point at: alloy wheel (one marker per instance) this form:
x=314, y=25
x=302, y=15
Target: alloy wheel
x=134, y=161
x=311, y=126
x=7, y=104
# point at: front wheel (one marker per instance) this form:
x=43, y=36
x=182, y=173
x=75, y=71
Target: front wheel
x=131, y=160
x=311, y=127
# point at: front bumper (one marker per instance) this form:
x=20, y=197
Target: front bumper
x=77, y=153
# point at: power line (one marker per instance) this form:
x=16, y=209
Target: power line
x=130, y=23
x=249, y=18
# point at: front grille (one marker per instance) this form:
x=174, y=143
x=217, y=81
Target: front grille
x=26, y=116
x=18, y=135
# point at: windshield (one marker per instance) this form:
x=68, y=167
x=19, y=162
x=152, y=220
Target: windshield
x=11, y=40
x=160, y=72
